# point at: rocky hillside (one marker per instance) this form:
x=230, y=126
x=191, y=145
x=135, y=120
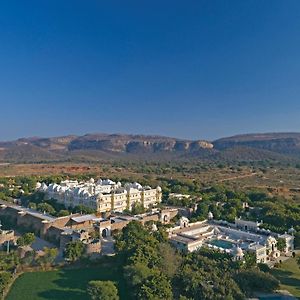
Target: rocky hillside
x=97, y=146
x=283, y=143
x=94, y=147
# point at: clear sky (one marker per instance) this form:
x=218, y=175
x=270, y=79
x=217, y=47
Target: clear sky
x=189, y=69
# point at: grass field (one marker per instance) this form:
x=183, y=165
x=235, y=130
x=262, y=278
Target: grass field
x=63, y=284
x=289, y=276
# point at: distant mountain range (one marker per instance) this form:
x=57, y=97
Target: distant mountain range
x=95, y=147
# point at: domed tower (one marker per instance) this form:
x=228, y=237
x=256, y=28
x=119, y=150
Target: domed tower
x=210, y=215
x=292, y=230
x=238, y=254
x=158, y=194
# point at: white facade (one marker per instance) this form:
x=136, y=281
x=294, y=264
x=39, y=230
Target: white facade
x=103, y=195
x=230, y=239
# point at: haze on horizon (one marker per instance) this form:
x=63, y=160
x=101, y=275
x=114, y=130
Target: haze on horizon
x=202, y=70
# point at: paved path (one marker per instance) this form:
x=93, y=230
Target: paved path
x=40, y=244
x=107, y=246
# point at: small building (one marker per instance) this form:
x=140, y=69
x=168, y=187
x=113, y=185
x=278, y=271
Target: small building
x=260, y=252
x=92, y=246
x=247, y=225
x=289, y=242
x=6, y=236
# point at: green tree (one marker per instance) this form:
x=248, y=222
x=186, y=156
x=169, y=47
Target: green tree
x=9, y=261
x=136, y=273
x=102, y=290
x=4, y=280
x=49, y=256
x=63, y=213
x=74, y=250
x=250, y=259
x=138, y=209
x=46, y=207
x=281, y=244
x=256, y=280
x=170, y=261
x=26, y=240
x=156, y=287
x=28, y=258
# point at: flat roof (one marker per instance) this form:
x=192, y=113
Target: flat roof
x=84, y=218
x=185, y=239
x=29, y=211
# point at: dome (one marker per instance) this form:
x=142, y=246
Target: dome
x=92, y=180
x=239, y=251
x=292, y=230
x=158, y=189
x=210, y=215
x=44, y=186
x=38, y=185
x=154, y=227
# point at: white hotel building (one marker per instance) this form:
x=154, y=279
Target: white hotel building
x=103, y=195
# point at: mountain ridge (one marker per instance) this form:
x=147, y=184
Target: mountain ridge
x=95, y=146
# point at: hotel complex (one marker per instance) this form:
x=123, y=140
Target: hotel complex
x=103, y=195
x=235, y=239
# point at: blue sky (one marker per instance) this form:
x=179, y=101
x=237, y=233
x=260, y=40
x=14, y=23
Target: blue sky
x=189, y=69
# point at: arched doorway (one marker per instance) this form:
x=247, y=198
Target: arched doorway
x=104, y=233
x=166, y=219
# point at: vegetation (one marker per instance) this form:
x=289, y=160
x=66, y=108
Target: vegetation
x=48, y=258
x=74, y=250
x=151, y=267
x=102, y=290
x=65, y=284
x=154, y=270
x=5, y=278
x=255, y=280
x=26, y=239
x=288, y=273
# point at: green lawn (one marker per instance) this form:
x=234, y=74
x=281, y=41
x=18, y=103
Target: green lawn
x=289, y=276
x=63, y=284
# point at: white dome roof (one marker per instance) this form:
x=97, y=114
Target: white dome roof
x=154, y=227
x=239, y=251
x=210, y=215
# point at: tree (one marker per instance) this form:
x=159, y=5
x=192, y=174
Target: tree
x=256, y=280
x=4, y=280
x=156, y=287
x=74, y=250
x=28, y=258
x=26, y=240
x=138, y=209
x=170, y=261
x=250, y=259
x=83, y=209
x=281, y=244
x=63, y=213
x=137, y=273
x=9, y=261
x=102, y=290
x=48, y=257
x=45, y=207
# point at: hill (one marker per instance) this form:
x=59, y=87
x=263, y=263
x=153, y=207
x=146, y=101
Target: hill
x=95, y=147
x=283, y=143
